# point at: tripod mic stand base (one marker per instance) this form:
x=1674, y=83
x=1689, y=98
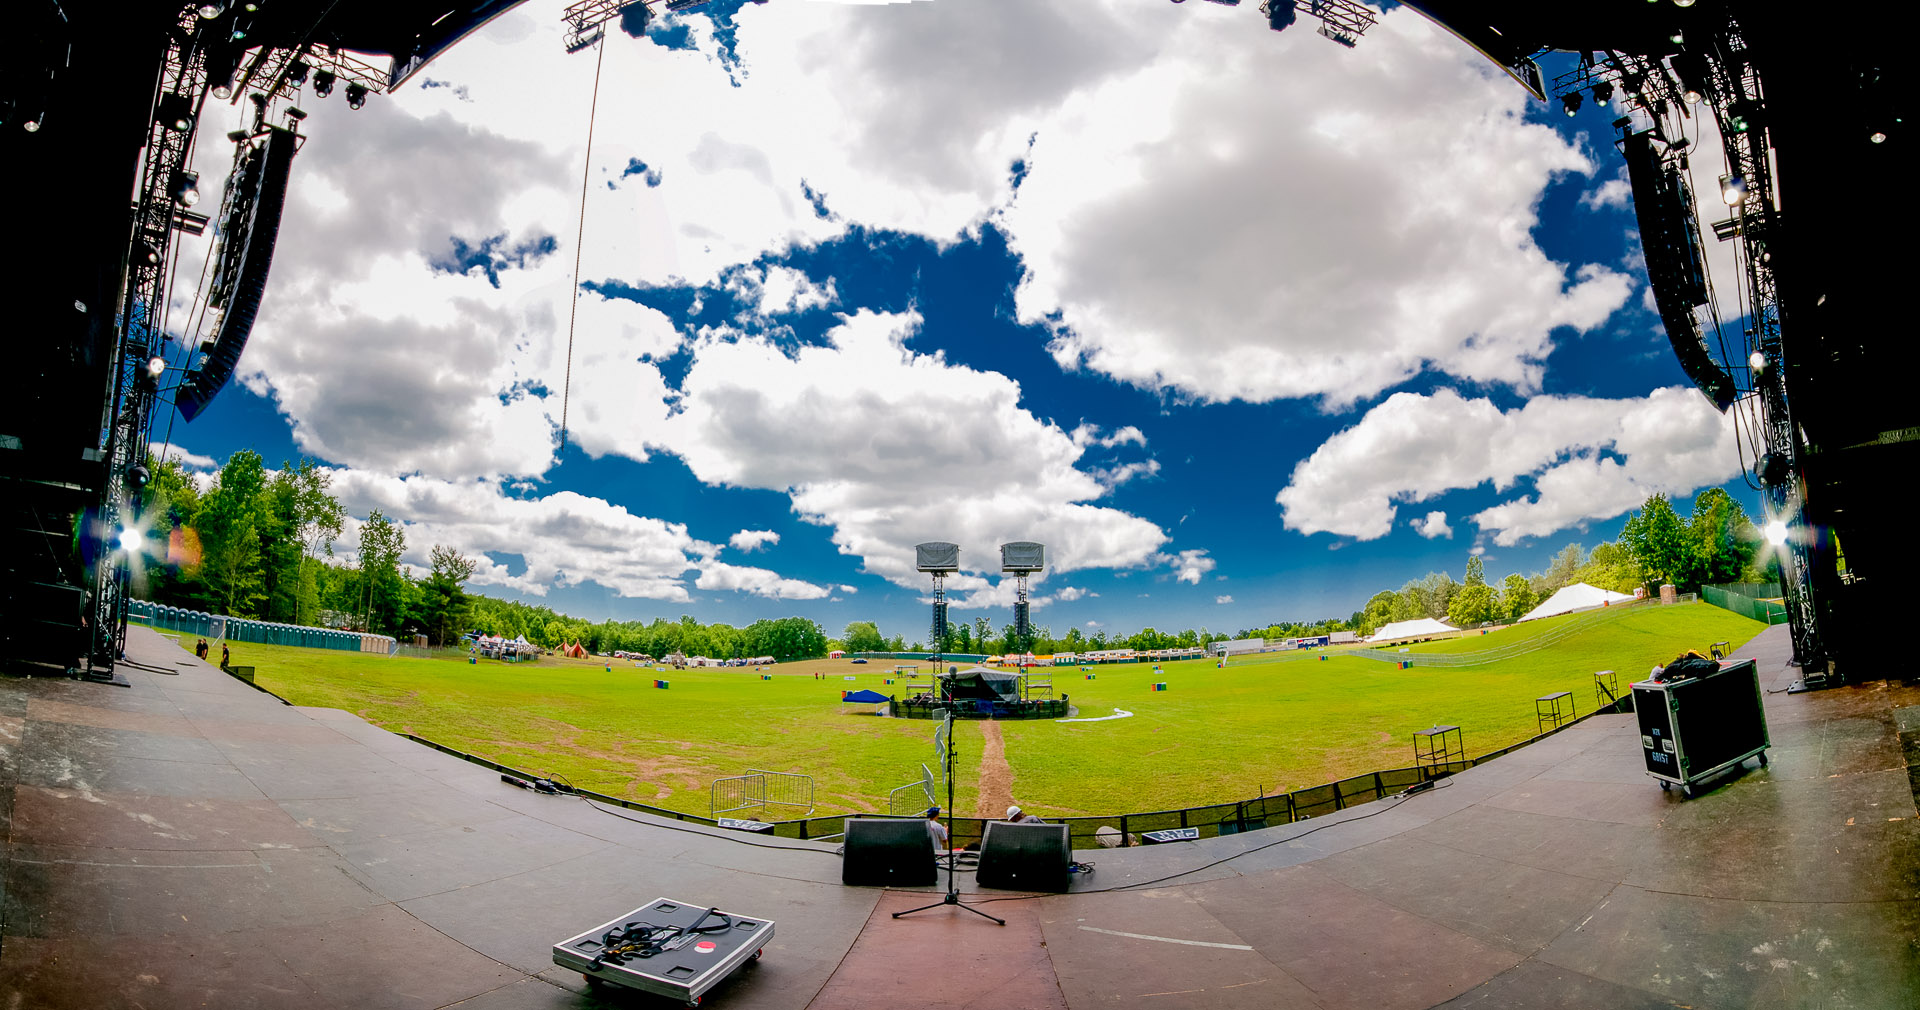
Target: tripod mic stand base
x=952, y=898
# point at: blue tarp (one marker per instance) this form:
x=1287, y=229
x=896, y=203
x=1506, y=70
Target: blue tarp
x=865, y=697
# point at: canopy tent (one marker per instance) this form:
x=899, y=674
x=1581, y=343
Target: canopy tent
x=1578, y=596
x=1411, y=629
x=864, y=697
x=980, y=682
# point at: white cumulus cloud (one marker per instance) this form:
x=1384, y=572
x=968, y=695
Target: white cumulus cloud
x=1432, y=526
x=752, y=540
x=1585, y=458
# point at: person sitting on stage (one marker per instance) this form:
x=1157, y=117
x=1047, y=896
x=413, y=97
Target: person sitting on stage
x=936, y=829
x=1015, y=816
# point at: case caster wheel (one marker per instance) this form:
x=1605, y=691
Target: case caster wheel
x=757, y=954
x=1666, y=787
x=694, y=1002
x=1686, y=791
x=1763, y=759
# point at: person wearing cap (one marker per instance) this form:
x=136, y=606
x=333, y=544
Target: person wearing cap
x=1014, y=815
x=936, y=829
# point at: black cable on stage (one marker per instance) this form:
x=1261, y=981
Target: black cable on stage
x=671, y=826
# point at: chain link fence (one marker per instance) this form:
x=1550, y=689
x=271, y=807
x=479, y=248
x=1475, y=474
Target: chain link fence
x=1759, y=601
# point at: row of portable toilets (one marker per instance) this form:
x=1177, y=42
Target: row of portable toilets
x=240, y=629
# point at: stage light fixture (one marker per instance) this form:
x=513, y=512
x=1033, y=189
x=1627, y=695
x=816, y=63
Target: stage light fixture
x=186, y=187
x=176, y=112
x=1776, y=533
x=129, y=539
x=1756, y=361
x=138, y=475
x=212, y=10
x=1603, y=93
x=1733, y=189
x=1280, y=14
x=323, y=82
x=147, y=252
x=1876, y=136
x=33, y=126
x=297, y=72
x=156, y=365
x=1571, y=102
x=223, y=91
x=356, y=96
x=1684, y=3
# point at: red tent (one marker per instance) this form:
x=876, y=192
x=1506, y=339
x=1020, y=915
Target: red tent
x=572, y=650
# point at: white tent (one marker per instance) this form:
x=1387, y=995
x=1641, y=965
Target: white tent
x=1411, y=629
x=1578, y=596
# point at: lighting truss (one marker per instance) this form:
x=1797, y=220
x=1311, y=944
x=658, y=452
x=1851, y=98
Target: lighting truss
x=1723, y=75
x=1341, y=21
x=133, y=391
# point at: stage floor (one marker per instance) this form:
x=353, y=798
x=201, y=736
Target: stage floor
x=192, y=842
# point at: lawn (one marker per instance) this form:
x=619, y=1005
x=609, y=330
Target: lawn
x=1273, y=722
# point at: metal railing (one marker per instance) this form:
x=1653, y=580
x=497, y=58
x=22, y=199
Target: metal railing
x=757, y=790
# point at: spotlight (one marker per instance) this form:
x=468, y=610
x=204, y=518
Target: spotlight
x=186, y=187
x=223, y=91
x=1733, y=189
x=1772, y=469
x=1756, y=361
x=1603, y=93
x=1776, y=533
x=356, y=96
x=129, y=540
x=138, y=475
x=1876, y=136
x=156, y=366
x=323, y=82
x=1571, y=102
x=33, y=126
x=1280, y=14
x=212, y=10
x=1693, y=97
x=1684, y=3
x=146, y=252
x=176, y=112
x=297, y=73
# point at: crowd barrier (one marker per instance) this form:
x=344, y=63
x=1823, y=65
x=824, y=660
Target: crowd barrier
x=1211, y=820
x=214, y=627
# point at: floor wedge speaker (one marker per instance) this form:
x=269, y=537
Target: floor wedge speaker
x=1025, y=857
x=883, y=852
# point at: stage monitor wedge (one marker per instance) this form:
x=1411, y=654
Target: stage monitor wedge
x=250, y=223
x=1025, y=857
x=887, y=852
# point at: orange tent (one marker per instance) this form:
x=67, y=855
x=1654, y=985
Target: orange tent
x=572, y=650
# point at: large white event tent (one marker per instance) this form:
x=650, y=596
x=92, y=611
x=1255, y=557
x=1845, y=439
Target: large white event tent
x=1578, y=596
x=1410, y=629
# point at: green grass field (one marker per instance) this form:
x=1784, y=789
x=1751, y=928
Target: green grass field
x=1273, y=722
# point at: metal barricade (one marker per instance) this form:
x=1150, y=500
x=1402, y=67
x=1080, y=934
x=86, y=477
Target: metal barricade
x=786, y=795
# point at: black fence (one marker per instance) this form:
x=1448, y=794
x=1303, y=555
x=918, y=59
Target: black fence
x=980, y=708
x=1212, y=820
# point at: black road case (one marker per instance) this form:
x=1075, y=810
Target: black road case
x=1696, y=727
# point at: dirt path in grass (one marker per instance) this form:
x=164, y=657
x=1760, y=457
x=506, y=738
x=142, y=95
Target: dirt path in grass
x=996, y=778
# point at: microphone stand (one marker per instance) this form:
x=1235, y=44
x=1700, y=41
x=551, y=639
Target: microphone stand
x=953, y=888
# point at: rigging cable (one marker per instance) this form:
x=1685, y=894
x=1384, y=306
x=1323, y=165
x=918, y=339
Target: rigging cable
x=586, y=170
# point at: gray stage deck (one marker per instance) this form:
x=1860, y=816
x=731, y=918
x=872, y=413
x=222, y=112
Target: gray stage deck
x=193, y=842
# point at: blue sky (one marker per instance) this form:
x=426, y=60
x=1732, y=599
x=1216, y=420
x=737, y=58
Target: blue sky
x=1245, y=327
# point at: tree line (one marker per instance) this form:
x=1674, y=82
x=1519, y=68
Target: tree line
x=260, y=545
